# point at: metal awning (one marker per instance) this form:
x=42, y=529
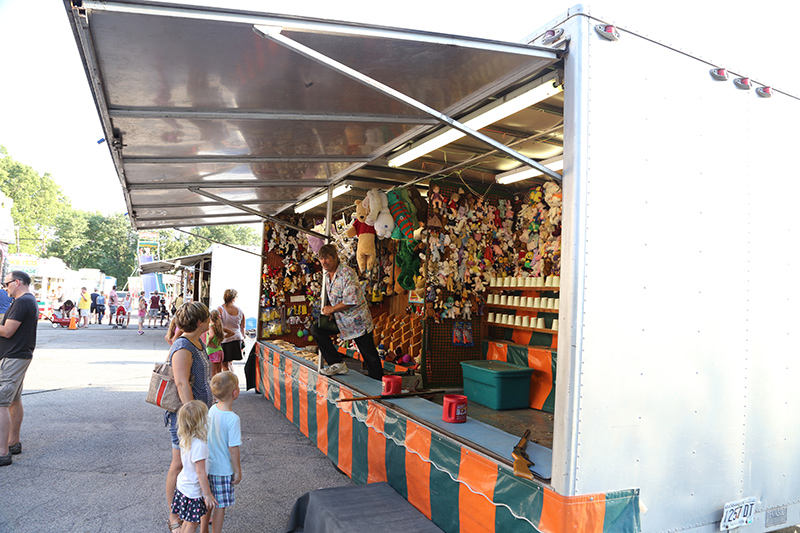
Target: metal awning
x=168, y=265
x=195, y=100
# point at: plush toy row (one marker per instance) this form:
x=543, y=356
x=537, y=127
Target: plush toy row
x=472, y=239
x=396, y=214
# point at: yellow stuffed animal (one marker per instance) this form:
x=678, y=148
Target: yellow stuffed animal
x=365, y=251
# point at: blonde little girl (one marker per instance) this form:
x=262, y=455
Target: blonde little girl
x=214, y=340
x=193, y=499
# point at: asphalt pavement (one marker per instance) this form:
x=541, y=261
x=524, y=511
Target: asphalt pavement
x=95, y=455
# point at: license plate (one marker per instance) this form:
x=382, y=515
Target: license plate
x=738, y=513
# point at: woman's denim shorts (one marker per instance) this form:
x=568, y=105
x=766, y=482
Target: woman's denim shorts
x=171, y=421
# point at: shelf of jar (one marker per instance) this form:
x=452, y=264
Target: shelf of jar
x=523, y=328
x=523, y=308
x=524, y=288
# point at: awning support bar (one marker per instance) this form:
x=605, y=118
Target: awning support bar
x=273, y=33
x=259, y=214
x=235, y=114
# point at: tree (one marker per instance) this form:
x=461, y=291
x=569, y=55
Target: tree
x=93, y=240
x=176, y=244
x=70, y=238
x=38, y=201
x=114, y=245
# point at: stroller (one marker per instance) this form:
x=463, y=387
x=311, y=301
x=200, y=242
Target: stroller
x=122, y=315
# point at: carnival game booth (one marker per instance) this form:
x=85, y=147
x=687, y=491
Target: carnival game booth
x=214, y=131
x=560, y=306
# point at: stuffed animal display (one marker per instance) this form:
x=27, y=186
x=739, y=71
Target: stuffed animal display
x=447, y=250
x=291, y=280
x=472, y=239
x=365, y=251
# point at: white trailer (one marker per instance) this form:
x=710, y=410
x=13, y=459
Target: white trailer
x=678, y=353
x=236, y=268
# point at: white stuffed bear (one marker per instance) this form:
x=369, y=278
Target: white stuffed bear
x=384, y=223
x=373, y=205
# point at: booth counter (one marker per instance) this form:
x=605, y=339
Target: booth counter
x=457, y=475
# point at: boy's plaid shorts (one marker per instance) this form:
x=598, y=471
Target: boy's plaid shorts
x=222, y=489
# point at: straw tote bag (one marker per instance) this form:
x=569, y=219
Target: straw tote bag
x=163, y=392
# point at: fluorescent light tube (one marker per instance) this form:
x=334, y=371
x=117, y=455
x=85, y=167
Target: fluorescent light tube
x=522, y=98
x=321, y=198
x=524, y=172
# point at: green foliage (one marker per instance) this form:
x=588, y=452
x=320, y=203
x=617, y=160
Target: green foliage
x=38, y=202
x=176, y=243
x=93, y=240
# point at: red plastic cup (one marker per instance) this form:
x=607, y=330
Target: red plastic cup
x=391, y=385
x=454, y=408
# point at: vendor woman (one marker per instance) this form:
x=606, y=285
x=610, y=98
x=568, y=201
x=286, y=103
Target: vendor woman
x=349, y=307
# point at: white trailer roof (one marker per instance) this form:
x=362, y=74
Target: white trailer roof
x=210, y=122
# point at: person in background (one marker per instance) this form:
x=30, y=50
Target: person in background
x=127, y=303
x=113, y=303
x=93, y=307
x=5, y=303
x=213, y=340
x=142, y=311
x=163, y=314
x=352, y=314
x=233, y=320
x=152, y=314
x=177, y=303
x=17, y=342
x=100, y=306
x=173, y=331
x=84, y=306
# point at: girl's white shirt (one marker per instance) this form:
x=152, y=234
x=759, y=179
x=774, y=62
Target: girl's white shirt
x=188, y=482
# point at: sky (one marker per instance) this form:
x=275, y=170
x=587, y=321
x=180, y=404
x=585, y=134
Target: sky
x=48, y=119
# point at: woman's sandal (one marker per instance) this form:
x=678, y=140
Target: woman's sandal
x=173, y=526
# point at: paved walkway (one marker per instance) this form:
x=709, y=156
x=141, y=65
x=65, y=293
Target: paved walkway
x=95, y=454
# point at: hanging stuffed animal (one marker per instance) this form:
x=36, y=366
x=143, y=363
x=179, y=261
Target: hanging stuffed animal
x=419, y=204
x=315, y=243
x=409, y=262
x=365, y=251
x=404, y=225
x=384, y=223
x=372, y=203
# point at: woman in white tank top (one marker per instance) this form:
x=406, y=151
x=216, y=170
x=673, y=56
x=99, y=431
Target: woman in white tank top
x=232, y=319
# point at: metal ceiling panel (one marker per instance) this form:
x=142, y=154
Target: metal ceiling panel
x=184, y=195
x=193, y=97
x=264, y=174
x=167, y=223
x=265, y=136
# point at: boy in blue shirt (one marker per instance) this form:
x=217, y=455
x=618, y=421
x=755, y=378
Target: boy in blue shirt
x=224, y=439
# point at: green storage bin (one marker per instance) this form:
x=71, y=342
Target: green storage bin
x=496, y=384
